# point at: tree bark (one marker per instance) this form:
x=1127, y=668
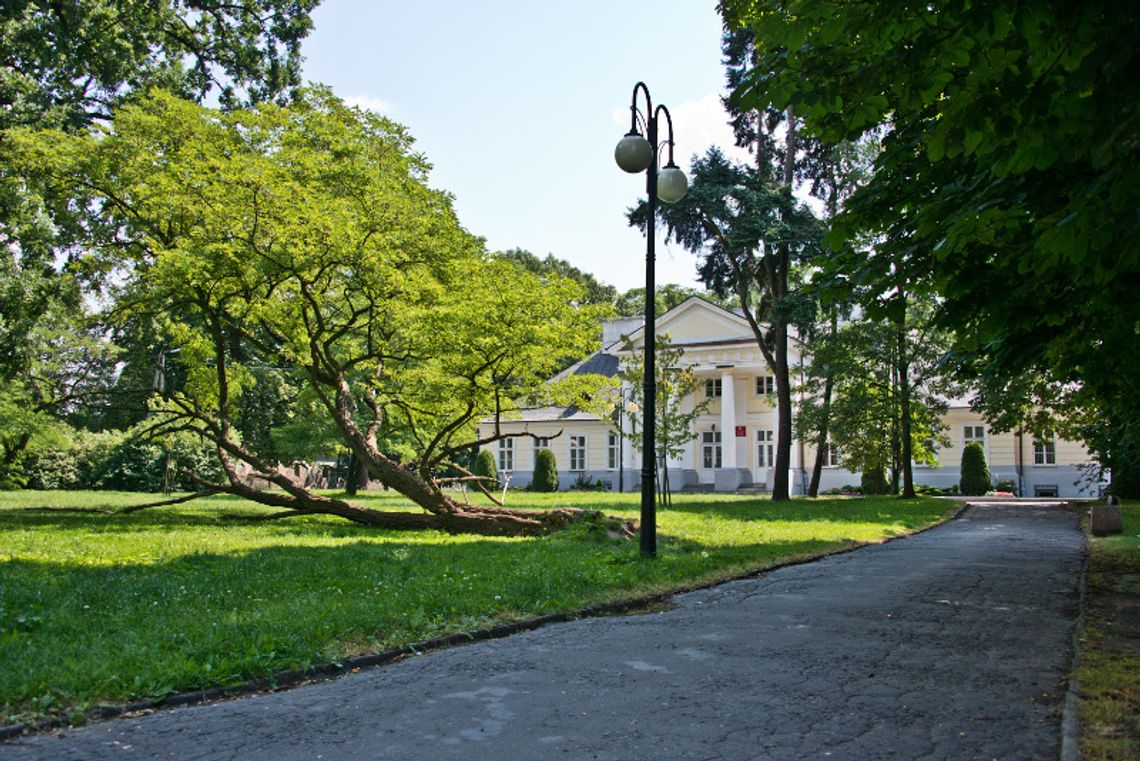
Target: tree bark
x=904, y=409
x=780, y=485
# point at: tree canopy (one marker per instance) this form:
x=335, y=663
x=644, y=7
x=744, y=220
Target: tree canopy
x=1009, y=176
x=66, y=65
x=306, y=238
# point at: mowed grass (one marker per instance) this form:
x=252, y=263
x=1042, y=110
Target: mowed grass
x=1109, y=673
x=104, y=609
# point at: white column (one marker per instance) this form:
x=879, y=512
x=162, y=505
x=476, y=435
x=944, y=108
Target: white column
x=727, y=421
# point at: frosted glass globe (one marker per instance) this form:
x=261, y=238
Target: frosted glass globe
x=633, y=153
x=672, y=185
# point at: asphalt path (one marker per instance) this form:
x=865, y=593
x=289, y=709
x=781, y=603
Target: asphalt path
x=950, y=644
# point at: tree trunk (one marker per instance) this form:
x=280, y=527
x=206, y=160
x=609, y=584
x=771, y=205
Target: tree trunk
x=780, y=486
x=904, y=410
x=352, y=475
x=825, y=416
x=821, y=438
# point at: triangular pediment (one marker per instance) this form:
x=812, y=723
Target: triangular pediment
x=697, y=321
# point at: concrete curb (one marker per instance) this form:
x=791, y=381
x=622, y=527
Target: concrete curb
x=292, y=678
x=1070, y=708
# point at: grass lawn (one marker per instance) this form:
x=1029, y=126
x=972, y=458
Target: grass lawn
x=97, y=609
x=1109, y=674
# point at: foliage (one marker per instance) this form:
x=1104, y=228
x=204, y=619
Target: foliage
x=1008, y=179
x=861, y=357
x=593, y=291
x=676, y=389
x=748, y=233
x=485, y=467
x=665, y=297
x=975, y=474
x=306, y=237
x=874, y=482
x=545, y=472
x=67, y=64
x=119, y=460
x=247, y=601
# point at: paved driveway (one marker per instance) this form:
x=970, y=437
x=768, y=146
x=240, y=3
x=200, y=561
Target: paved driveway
x=953, y=644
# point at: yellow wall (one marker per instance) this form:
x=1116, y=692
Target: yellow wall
x=596, y=442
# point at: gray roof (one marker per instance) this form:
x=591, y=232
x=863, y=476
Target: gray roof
x=550, y=415
x=598, y=363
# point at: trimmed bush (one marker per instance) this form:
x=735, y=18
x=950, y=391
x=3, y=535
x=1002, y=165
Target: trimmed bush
x=975, y=474
x=545, y=472
x=485, y=466
x=874, y=482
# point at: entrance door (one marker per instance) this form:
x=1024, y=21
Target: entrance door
x=710, y=455
x=765, y=454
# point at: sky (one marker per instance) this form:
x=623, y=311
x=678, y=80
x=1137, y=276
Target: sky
x=518, y=104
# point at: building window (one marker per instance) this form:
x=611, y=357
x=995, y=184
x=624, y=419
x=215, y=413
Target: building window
x=830, y=455
x=540, y=443
x=1045, y=450
x=765, y=385
x=506, y=454
x=764, y=448
x=710, y=449
x=613, y=451
x=974, y=433
x=578, y=452
x=713, y=388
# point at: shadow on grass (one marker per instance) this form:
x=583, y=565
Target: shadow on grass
x=74, y=633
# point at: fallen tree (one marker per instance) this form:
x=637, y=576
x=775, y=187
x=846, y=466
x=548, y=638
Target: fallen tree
x=305, y=238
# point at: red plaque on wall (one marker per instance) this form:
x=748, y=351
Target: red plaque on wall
x=741, y=431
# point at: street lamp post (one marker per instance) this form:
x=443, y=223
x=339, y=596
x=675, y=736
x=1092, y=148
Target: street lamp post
x=635, y=153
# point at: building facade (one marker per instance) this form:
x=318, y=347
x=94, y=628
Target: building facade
x=734, y=439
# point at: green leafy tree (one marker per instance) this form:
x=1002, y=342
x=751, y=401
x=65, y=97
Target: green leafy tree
x=676, y=399
x=749, y=232
x=67, y=65
x=975, y=475
x=545, y=472
x=870, y=401
x=1009, y=176
x=594, y=291
x=307, y=237
x=666, y=297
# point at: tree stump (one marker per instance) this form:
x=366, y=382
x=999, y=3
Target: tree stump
x=1106, y=519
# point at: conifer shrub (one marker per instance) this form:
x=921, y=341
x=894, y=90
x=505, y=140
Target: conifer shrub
x=873, y=482
x=975, y=480
x=485, y=466
x=545, y=472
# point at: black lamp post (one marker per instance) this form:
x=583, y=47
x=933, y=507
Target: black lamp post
x=635, y=153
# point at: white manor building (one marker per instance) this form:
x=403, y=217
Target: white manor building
x=734, y=441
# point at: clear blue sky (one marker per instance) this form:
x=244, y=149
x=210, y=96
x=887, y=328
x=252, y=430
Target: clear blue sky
x=518, y=105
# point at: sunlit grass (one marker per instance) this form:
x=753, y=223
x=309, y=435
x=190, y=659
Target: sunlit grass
x=97, y=608
x=1109, y=673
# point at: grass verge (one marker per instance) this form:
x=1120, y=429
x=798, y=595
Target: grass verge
x=97, y=609
x=1109, y=672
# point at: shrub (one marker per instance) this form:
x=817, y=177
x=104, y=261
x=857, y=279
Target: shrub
x=975, y=475
x=585, y=483
x=1006, y=486
x=874, y=482
x=545, y=472
x=485, y=466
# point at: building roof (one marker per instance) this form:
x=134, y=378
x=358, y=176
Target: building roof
x=598, y=363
